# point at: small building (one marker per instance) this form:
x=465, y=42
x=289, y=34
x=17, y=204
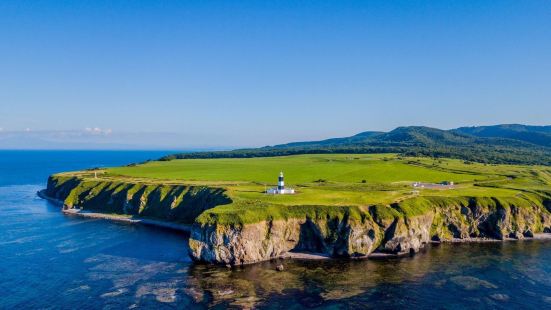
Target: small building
x=280, y=189
x=441, y=185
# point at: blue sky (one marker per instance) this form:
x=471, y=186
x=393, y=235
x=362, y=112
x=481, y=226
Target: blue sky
x=252, y=73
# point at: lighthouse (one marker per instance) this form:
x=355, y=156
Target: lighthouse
x=280, y=182
x=280, y=189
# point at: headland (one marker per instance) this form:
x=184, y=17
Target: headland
x=343, y=205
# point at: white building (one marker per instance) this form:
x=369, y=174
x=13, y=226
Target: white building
x=280, y=189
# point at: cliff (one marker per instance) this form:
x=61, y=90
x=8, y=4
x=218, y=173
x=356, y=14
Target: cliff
x=398, y=229
x=177, y=203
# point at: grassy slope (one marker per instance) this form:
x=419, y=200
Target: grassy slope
x=531, y=147
x=298, y=169
x=157, y=200
x=387, y=177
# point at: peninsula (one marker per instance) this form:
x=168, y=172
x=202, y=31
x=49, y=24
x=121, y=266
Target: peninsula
x=351, y=196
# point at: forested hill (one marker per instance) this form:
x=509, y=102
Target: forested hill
x=510, y=144
x=539, y=135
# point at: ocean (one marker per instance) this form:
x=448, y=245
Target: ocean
x=56, y=261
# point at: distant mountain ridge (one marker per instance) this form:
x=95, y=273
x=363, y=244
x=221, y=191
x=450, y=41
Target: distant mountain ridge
x=539, y=135
x=511, y=144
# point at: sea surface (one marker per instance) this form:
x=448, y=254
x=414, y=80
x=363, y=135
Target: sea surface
x=55, y=261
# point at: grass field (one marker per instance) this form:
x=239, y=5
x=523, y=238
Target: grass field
x=336, y=180
x=326, y=185
x=299, y=169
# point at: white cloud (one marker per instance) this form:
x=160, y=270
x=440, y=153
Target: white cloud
x=98, y=131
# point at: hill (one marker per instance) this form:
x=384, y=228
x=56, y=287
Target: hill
x=501, y=144
x=539, y=135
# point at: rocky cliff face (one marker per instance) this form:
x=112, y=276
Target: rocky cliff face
x=336, y=238
x=269, y=239
x=491, y=218
x=345, y=237
x=176, y=203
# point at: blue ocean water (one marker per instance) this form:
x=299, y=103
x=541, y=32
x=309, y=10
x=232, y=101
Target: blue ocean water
x=50, y=260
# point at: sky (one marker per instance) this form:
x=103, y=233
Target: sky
x=224, y=74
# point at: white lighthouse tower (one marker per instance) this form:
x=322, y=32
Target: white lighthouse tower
x=280, y=189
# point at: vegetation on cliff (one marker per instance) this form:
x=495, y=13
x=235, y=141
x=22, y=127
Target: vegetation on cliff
x=172, y=202
x=232, y=190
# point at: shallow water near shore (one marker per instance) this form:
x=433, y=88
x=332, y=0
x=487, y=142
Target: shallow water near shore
x=51, y=260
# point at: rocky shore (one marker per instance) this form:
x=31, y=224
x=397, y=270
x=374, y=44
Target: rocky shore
x=116, y=217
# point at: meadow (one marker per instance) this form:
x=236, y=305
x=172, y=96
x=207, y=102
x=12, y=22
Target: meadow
x=331, y=182
x=348, y=168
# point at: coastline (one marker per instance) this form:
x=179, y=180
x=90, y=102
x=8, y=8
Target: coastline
x=117, y=218
x=187, y=229
x=381, y=255
x=537, y=236
x=289, y=255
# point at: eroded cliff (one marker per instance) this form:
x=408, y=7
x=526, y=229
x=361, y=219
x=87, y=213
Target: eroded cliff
x=400, y=228
x=177, y=203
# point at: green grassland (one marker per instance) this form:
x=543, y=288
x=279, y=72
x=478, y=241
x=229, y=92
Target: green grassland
x=298, y=169
x=332, y=184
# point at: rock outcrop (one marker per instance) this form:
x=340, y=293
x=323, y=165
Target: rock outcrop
x=270, y=239
x=345, y=237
